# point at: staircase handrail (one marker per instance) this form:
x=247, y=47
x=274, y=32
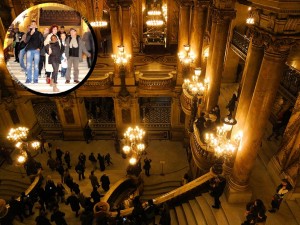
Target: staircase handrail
x=172, y=194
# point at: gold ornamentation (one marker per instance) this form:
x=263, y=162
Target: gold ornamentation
x=66, y=101
x=221, y=15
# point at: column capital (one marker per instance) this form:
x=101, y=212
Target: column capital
x=224, y=4
x=186, y=3
x=222, y=15
x=112, y=4
x=257, y=37
x=125, y=3
x=202, y=3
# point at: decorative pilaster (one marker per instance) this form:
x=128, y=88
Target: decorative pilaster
x=73, y=117
x=116, y=33
x=220, y=28
x=183, y=34
x=127, y=36
x=197, y=30
x=276, y=52
x=176, y=125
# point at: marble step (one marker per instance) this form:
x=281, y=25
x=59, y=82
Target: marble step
x=18, y=182
x=233, y=212
x=197, y=212
x=161, y=191
x=190, y=217
x=173, y=216
x=218, y=213
x=7, y=188
x=295, y=209
x=207, y=212
x=181, y=215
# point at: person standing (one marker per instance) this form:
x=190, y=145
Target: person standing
x=61, y=31
x=58, y=217
x=22, y=50
x=105, y=182
x=95, y=195
x=218, y=186
x=55, y=51
x=93, y=160
x=281, y=190
x=89, y=45
x=231, y=105
x=49, y=69
x=42, y=52
x=108, y=159
x=74, y=50
x=34, y=40
x=64, y=62
x=94, y=180
x=17, y=39
x=74, y=203
x=105, y=46
x=67, y=159
x=101, y=162
x=42, y=219
x=147, y=166
x=80, y=170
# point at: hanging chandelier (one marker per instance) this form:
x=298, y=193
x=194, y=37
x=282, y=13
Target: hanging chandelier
x=155, y=18
x=186, y=57
x=194, y=86
x=134, y=145
x=250, y=19
x=121, y=58
x=19, y=136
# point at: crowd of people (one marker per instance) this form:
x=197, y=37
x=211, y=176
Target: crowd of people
x=54, y=50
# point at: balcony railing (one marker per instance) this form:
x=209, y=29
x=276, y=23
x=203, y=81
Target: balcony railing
x=240, y=43
x=291, y=82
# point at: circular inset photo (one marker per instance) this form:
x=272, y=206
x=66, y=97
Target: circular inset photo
x=52, y=49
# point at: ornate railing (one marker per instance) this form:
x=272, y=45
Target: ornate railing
x=240, y=43
x=186, y=101
x=153, y=82
x=101, y=83
x=291, y=82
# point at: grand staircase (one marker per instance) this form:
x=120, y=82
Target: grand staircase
x=13, y=186
x=198, y=211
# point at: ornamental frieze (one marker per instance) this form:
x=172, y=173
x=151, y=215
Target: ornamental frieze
x=222, y=15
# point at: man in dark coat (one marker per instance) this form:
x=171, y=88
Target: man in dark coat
x=218, y=186
x=67, y=158
x=93, y=160
x=58, y=217
x=42, y=219
x=95, y=195
x=147, y=166
x=59, y=153
x=94, y=180
x=101, y=162
x=80, y=170
x=105, y=182
x=74, y=203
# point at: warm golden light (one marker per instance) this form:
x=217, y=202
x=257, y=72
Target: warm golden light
x=126, y=149
x=132, y=161
x=35, y=145
x=186, y=57
x=154, y=13
x=99, y=24
x=194, y=86
x=21, y=159
x=121, y=58
x=206, y=52
x=17, y=134
x=154, y=22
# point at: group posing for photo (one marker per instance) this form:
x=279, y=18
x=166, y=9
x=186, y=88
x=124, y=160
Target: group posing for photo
x=54, y=50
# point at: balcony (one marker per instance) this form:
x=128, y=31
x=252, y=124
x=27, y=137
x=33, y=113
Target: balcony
x=155, y=80
x=240, y=44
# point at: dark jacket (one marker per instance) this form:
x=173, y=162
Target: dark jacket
x=34, y=41
x=58, y=218
x=42, y=220
x=74, y=202
x=56, y=54
x=81, y=48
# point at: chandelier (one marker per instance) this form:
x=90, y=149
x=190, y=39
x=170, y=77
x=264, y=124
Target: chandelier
x=250, y=19
x=19, y=136
x=98, y=23
x=186, y=57
x=134, y=146
x=121, y=58
x=194, y=86
x=155, y=18
x=223, y=147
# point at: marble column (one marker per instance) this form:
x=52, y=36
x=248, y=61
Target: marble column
x=267, y=84
x=127, y=36
x=176, y=125
x=183, y=36
x=116, y=33
x=252, y=66
x=197, y=31
x=220, y=30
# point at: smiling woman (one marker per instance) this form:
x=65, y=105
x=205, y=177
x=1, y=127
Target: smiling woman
x=46, y=55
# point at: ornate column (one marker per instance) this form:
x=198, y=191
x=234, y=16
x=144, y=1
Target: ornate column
x=198, y=30
x=127, y=37
x=267, y=84
x=285, y=163
x=183, y=34
x=176, y=123
x=252, y=66
x=116, y=33
x=220, y=27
